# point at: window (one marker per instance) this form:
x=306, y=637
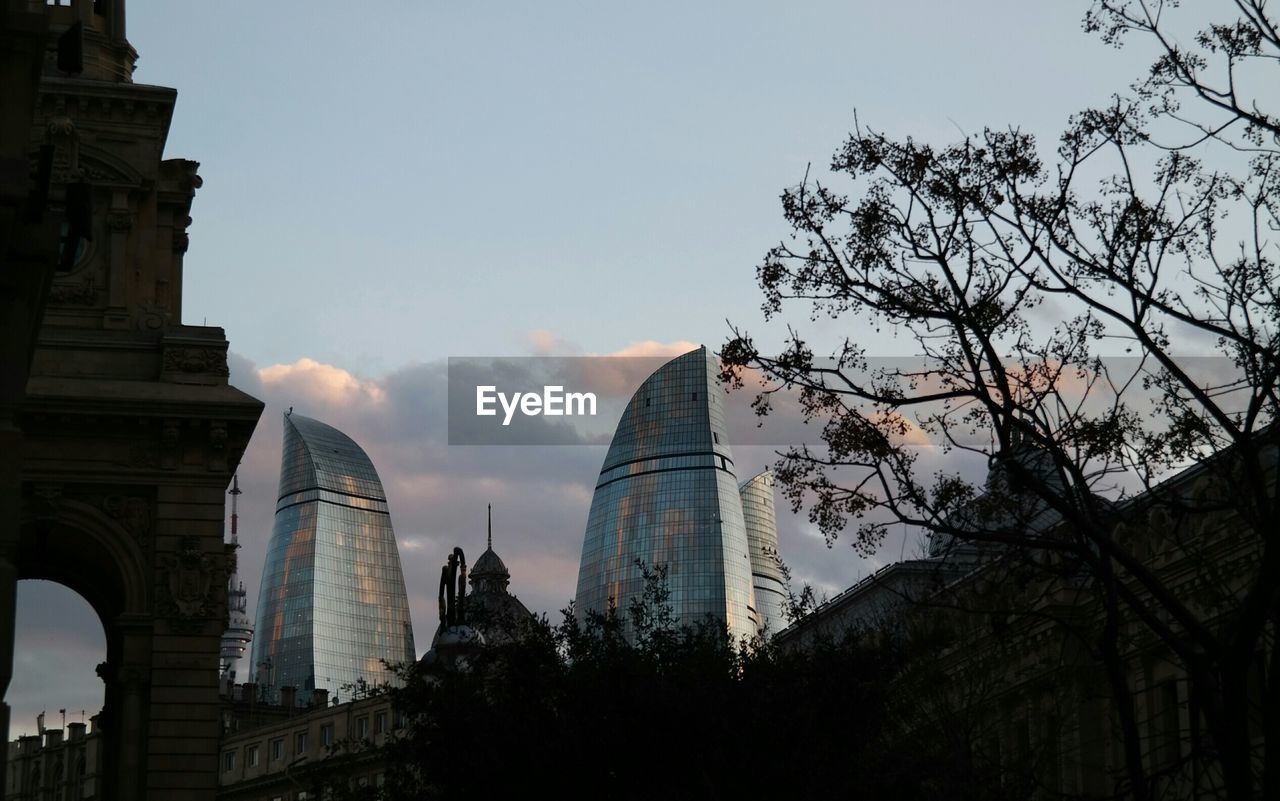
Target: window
x=300, y=743
x=362, y=727
x=251, y=756
x=380, y=723
x=277, y=749
x=229, y=761
x=326, y=734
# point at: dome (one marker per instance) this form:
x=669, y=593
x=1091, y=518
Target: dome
x=489, y=565
x=491, y=607
x=453, y=649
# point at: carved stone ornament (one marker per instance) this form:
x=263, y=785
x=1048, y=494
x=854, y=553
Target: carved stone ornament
x=196, y=360
x=81, y=294
x=217, y=446
x=60, y=126
x=150, y=317
x=48, y=501
x=218, y=435
x=120, y=221
x=189, y=577
x=133, y=513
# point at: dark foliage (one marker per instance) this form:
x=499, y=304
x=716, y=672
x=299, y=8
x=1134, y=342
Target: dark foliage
x=576, y=711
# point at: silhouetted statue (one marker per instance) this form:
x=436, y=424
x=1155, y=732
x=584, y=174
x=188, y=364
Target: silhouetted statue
x=453, y=602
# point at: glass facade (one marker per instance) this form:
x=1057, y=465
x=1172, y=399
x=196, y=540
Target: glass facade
x=668, y=495
x=332, y=603
x=761, y=519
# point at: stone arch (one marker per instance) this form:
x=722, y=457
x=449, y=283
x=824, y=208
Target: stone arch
x=84, y=549
x=106, y=168
x=78, y=545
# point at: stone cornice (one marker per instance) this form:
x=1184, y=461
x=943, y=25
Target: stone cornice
x=98, y=102
x=98, y=397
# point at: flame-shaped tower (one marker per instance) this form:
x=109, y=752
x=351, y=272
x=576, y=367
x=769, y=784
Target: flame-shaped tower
x=332, y=606
x=667, y=495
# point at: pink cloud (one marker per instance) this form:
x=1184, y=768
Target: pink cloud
x=546, y=343
x=650, y=347
x=324, y=383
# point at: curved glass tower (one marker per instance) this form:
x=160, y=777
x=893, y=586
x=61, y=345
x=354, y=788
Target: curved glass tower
x=667, y=495
x=332, y=602
x=761, y=518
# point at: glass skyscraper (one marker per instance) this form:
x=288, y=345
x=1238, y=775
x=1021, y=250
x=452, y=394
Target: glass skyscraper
x=668, y=495
x=332, y=603
x=761, y=519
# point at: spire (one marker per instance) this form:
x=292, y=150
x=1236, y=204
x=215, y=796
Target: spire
x=489, y=574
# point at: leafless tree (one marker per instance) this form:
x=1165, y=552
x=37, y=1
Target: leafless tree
x=1052, y=298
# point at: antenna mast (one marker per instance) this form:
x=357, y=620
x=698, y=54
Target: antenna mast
x=239, y=633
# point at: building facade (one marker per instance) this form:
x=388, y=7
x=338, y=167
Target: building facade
x=667, y=495
x=332, y=603
x=1011, y=671
x=51, y=765
x=119, y=429
x=283, y=752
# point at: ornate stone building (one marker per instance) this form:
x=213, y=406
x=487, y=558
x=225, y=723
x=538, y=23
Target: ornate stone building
x=51, y=765
x=281, y=752
x=120, y=430
x=1009, y=672
x=291, y=751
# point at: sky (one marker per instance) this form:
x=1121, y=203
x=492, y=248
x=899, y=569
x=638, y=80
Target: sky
x=388, y=188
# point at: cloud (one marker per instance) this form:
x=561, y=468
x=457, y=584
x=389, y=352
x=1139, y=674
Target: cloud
x=651, y=348
x=437, y=494
x=323, y=383
x=901, y=430
x=545, y=343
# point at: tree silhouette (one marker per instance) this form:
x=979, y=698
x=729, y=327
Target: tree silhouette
x=577, y=710
x=1051, y=298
